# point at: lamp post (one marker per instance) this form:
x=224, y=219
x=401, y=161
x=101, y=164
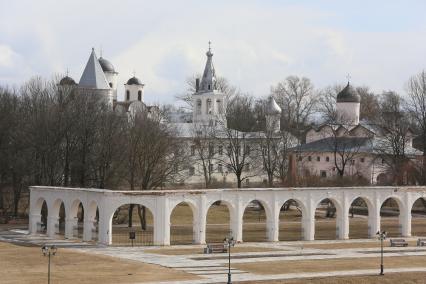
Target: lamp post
x=382, y=237
x=229, y=242
x=48, y=251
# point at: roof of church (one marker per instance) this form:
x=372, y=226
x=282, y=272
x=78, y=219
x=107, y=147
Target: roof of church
x=348, y=95
x=93, y=76
x=106, y=65
x=272, y=107
x=208, y=81
x=67, y=81
x=134, y=81
x=374, y=145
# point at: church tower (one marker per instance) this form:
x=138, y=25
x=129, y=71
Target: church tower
x=133, y=90
x=273, y=115
x=208, y=102
x=348, y=106
x=110, y=74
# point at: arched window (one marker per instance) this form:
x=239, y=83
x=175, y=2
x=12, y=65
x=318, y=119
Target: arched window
x=139, y=95
x=209, y=87
x=110, y=85
x=127, y=95
x=209, y=106
x=219, y=106
x=199, y=106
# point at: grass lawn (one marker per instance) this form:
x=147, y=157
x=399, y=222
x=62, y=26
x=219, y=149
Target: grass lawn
x=388, y=278
x=21, y=264
x=299, y=266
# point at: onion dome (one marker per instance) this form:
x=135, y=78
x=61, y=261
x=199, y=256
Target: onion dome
x=106, y=65
x=67, y=81
x=348, y=95
x=272, y=107
x=134, y=81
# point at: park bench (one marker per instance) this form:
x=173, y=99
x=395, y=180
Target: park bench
x=215, y=248
x=421, y=242
x=398, y=243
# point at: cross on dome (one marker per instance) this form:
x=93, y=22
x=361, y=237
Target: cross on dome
x=348, y=76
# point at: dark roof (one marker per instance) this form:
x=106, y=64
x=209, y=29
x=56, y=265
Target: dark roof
x=355, y=144
x=67, y=81
x=348, y=95
x=358, y=144
x=134, y=81
x=106, y=65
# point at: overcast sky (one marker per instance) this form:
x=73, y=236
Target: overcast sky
x=255, y=43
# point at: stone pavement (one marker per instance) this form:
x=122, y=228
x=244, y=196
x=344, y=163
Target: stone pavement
x=213, y=268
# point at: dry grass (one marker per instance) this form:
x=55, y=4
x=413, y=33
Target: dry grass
x=388, y=278
x=27, y=265
x=200, y=250
x=349, y=245
x=299, y=266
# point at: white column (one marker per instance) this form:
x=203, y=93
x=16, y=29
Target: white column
x=237, y=221
x=70, y=224
x=88, y=227
x=52, y=226
x=308, y=227
x=105, y=227
x=200, y=221
x=308, y=221
x=273, y=225
x=343, y=222
x=374, y=219
x=405, y=221
x=162, y=222
x=35, y=223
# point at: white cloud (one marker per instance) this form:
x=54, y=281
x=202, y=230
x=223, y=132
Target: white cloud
x=256, y=43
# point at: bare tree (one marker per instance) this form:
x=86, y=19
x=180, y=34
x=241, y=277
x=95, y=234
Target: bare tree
x=392, y=147
x=416, y=89
x=297, y=100
x=239, y=143
x=205, y=149
x=344, y=147
x=154, y=158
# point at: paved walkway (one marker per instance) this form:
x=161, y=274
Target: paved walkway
x=214, y=267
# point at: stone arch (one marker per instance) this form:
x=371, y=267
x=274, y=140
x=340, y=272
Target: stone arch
x=330, y=216
x=181, y=230
x=256, y=220
x=290, y=219
x=223, y=220
x=91, y=221
x=361, y=213
x=390, y=216
x=418, y=214
x=75, y=219
x=120, y=230
x=58, y=212
x=41, y=210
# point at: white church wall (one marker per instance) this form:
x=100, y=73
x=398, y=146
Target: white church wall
x=348, y=112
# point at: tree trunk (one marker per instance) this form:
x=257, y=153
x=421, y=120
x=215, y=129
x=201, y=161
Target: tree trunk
x=239, y=181
x=142, y=216
x=131, y=206
x=270, y=179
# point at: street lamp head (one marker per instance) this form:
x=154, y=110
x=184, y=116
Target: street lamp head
x=53, y=249
x=44, y=250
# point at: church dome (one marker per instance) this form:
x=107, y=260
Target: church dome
x=134, y=81
x=106, y=65
x=67, y=81
x=272, y=107
x=348, y=95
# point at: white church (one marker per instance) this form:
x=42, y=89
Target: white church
x=315, y=157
